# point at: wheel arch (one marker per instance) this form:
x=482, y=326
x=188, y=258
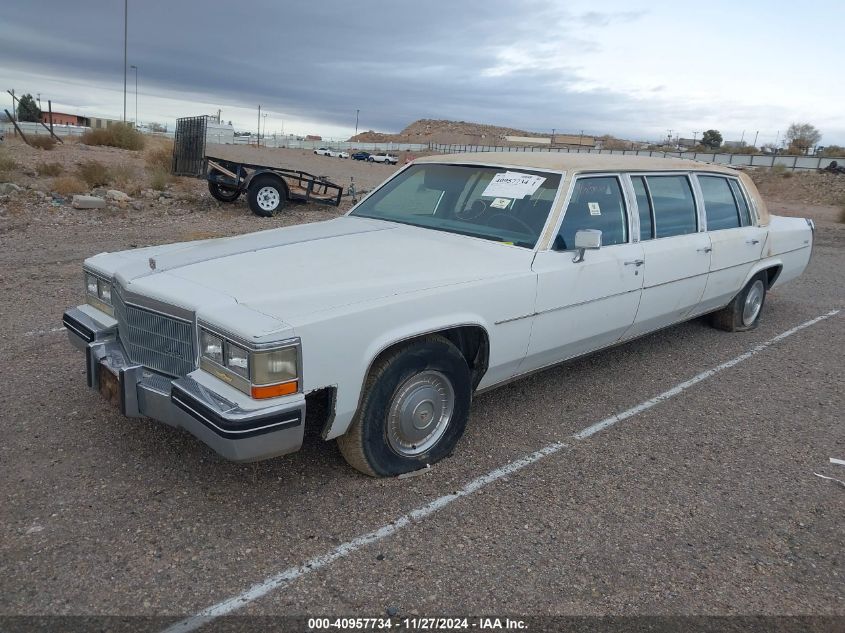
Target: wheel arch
x=772, y=268
x=471, y=338
x=269, y=174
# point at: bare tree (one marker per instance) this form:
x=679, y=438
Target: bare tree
x=802, y=136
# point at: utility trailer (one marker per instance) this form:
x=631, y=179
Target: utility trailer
x=267, y=188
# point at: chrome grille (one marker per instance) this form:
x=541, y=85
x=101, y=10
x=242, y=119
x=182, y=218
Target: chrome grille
x=154, y=340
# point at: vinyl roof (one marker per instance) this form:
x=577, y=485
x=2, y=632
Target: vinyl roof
x=577, y=162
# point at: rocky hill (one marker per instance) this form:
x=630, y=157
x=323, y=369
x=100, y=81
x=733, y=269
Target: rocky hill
x=441, y=131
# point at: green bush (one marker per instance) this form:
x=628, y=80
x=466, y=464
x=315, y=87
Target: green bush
x=118, y=135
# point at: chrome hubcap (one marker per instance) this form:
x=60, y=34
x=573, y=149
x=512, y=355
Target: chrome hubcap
x=268, y=198
x=419, y=413
x=753, y=303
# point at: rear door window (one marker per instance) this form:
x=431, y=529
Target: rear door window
x=643, y=208
x=674, y=205
x=720, y=205
x=744, y=212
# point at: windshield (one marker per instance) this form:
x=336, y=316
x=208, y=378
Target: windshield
x=493, y=203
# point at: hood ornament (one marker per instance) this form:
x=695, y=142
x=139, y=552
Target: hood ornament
x=152, y=264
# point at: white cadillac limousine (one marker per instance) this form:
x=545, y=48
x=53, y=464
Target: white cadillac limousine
x=457, y=274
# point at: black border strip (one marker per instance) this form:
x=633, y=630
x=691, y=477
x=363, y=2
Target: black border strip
x=233, y=431
x=83, y=332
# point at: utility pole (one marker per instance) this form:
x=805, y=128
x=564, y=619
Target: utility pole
x=756, y=134
x=742, y=138
x=264, y=132
x=125, y=36
x=258, y=140
x=135, y=68
x=694, y=136
x=357, y=112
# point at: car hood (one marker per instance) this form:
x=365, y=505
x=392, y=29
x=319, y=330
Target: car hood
x=292, y=272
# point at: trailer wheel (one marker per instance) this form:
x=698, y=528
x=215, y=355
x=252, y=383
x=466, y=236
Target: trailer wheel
x=221, y=193
x=266, y=196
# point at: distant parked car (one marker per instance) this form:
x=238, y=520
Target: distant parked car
x=383, y=158
x=339, y=154
x=361, y=156
x=323, y=151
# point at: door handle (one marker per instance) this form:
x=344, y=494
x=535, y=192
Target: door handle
x=752, y=242
x=636, y=262
x=706, y=249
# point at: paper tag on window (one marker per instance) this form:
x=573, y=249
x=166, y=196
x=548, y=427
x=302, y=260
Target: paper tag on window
x=513, y=184
x=594, y=208
x=500, y=203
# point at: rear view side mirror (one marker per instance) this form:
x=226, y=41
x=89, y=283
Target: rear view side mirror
x=586, y=239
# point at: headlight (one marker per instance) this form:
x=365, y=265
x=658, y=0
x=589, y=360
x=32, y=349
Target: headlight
x=98, y=292
x=237, y=360
x=212, y=346
x=91, y=284
x=260, y=373
x=274, y=367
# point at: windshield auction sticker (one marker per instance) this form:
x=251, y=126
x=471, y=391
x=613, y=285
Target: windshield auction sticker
x=513, y=184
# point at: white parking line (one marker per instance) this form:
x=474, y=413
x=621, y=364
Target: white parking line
x=289, y=575
x=52, y=331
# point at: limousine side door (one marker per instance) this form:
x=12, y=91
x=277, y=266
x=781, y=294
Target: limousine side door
x=676, y=252
x=736, y=240
x=589, y=304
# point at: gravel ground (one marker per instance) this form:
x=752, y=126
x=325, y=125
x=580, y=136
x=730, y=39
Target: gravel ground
x=705, y=504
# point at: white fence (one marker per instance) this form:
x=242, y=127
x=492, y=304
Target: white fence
x=35, y=129
x=294, y=143
x=794, y=163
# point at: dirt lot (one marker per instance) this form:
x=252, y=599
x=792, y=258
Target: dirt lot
x=702, y=504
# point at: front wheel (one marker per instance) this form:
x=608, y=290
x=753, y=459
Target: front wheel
x=266, y=196
x=743, y=313
x=414, y=409
x=371, y=160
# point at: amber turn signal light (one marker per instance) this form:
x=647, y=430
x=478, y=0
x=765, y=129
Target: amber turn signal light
x=274, y=391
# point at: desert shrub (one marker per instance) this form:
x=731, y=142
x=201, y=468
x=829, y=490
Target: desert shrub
x=779, y=170
x=122, y=175
x=118, y=135
x=159, y=157
x=42, y=142
x=66, y=185
x=159, y=178
x=7, y=163
x=94, y=173
x=49, y=169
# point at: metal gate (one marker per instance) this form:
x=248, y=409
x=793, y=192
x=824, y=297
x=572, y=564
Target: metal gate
x=189, y=146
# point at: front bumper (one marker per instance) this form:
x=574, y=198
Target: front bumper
x=236, y=432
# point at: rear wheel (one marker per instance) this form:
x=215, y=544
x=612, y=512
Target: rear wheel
x=743, y=313
x=413, y=411
x=221, y=193
x=266, y=196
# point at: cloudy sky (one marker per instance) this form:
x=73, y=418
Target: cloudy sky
x=629, y=68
